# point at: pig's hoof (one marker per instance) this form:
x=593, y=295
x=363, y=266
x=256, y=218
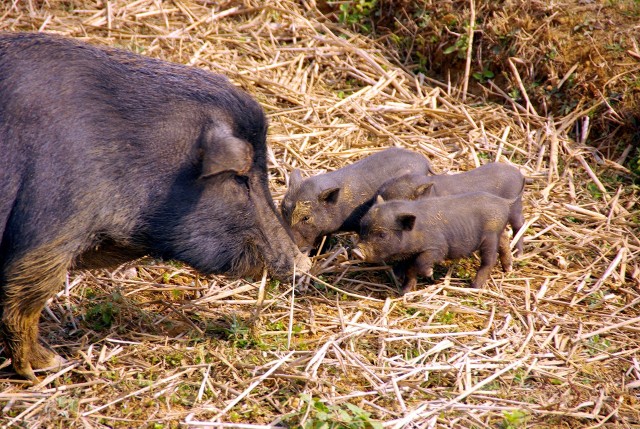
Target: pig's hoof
x=38, y=359
x=53, y=363
x=25, y=370
x=507, y=269
x=41, y=357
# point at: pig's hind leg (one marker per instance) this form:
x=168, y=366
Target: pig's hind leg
x=488, y=258
x=504, y=252
x=27, y=283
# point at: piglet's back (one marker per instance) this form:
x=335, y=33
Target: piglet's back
x=462, y=212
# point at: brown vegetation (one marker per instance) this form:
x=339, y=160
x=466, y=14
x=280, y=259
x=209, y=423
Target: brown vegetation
x=559, y=56
x=555, y=342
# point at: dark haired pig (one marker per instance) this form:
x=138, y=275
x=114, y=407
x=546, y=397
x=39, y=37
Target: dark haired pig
x=105, y=153
x=336, y=201
x=498, y=179
x=427, y=231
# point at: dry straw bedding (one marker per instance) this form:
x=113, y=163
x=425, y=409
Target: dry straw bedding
x=152, y=344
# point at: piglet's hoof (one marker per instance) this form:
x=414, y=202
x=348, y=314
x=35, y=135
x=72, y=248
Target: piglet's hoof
x=409, y=286
x=303, y=263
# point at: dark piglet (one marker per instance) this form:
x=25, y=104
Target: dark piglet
x=417, y=234
x=106, y=156
x=495, y=178
x=336, y=201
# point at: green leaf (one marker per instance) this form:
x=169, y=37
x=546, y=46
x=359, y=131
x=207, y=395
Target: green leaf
x=450, y=49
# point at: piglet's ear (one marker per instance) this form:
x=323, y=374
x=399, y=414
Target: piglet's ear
x=295, y=179
x=379, y=199
x=406, y=221
x=222, y=152
x=423, y=191
x=329, y=195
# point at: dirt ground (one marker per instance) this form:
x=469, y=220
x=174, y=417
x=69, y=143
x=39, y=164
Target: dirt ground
x=554, y=343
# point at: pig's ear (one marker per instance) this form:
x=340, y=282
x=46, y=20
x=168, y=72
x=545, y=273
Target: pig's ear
x=295, y=179
x=329, y=195
x=379, y=199
x=423, y=191
x=224, y=152
x=406, y=221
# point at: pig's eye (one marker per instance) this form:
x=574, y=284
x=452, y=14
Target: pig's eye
x=306, y=219
x=382, y=235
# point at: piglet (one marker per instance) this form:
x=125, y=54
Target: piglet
x=336, y=201
x=498, y=179
x=417, y=234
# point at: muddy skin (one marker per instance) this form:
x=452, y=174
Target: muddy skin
x=498, y=179
x=336, y=201
x=106, y=156
x=430, y=230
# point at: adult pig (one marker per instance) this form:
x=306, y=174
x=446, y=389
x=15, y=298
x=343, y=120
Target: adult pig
x=498, y=179
x=427, y=231
x=336, y=201
x=106, y=156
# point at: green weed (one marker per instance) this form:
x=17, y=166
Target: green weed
x=323, y=416
x=483, y=76
x=102, y=315
x=514, y=419
x=597, y=345
x=460, y=47
x=356, y=12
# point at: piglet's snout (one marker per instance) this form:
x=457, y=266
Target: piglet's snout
x=359, y=253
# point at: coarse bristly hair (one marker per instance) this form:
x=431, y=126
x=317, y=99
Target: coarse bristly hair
x=147, y=156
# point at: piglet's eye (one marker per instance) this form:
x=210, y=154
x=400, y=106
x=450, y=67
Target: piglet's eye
x=242, y=180
x=382, y=235
x=306, y=219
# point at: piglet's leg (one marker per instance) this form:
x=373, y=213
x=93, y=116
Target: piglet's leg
x=423, y=265
x=516, y=220
x=488, y=258
x=504, y=252
x=410, y=279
